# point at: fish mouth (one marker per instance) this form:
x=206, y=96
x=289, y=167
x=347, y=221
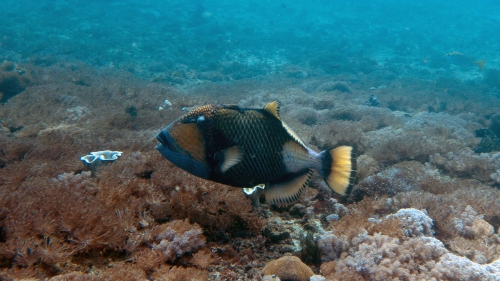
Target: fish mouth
x=165, y=139
x=179, y=158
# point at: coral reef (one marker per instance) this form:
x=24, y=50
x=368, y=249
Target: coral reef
x=13, y=80
x=415, y=255
x=490, y=137
x=427, y=130
x=414, y=222
x=479, y=166
x=372, y=101
x=176, y=238
x=288, y=268
x=334, y=86
x=425, y=204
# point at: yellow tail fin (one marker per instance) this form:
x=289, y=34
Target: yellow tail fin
x=339, y=169
x=480, y=64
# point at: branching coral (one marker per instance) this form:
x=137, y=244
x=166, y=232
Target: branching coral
x=337, y=133
x=478, y=241
x=421, y=136
x=483, y=167
x=331, y=246
x=202, y=259
x=414, y=256
x=177, y=238
x=380, y=257
x=404, y=176
x=414, y=222
x=470, y=224
x=335, y=244
x=452, y=267
x=335, y=86
x=217, y=208
x=461, y=228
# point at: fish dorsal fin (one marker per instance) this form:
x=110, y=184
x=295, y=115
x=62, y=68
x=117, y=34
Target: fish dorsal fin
x=287, y=192
x=233, y=107
x=273, y=108
x=294, y=135
x=232, y=156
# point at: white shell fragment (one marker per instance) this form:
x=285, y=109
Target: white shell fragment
x=251, y=190
x=166, y=105
x=105, y=155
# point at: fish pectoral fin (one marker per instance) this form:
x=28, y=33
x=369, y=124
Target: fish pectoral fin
x=287, y=192
x=232, y=156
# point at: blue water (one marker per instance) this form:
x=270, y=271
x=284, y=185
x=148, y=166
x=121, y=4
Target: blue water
x=245, y=39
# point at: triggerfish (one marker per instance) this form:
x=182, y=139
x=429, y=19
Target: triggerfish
x=460, y=59
x=253, y=149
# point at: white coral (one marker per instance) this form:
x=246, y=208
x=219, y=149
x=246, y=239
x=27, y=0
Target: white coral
x=175, y=243
x=452, y=267
x=484, y=166
x=471, y=224
x=414, y=222
x=380, y=257
x=331, y=246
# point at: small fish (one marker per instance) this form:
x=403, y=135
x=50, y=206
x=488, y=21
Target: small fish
x=255, y=150
x=460, y=59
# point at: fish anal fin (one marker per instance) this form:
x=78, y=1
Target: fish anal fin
x=232, y=156
x=287, y=192
x=273, y=108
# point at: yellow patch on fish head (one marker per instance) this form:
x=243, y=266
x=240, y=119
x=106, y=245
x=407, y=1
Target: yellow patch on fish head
x=187, y=133
x=188, y=138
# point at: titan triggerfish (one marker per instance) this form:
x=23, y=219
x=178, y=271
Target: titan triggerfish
x=255, y=150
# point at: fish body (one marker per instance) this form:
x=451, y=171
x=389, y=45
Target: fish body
x=248, y=147
x=462, y=60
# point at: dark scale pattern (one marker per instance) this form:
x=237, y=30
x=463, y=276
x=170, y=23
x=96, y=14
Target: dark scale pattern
x=261, y=137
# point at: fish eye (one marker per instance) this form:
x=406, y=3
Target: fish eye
x=200, y=119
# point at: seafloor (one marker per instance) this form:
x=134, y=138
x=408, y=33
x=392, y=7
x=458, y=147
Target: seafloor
x=431, y=145
x=85, y=76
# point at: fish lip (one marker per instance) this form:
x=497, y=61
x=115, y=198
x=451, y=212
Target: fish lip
x=165, y=139
x=180, y=158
